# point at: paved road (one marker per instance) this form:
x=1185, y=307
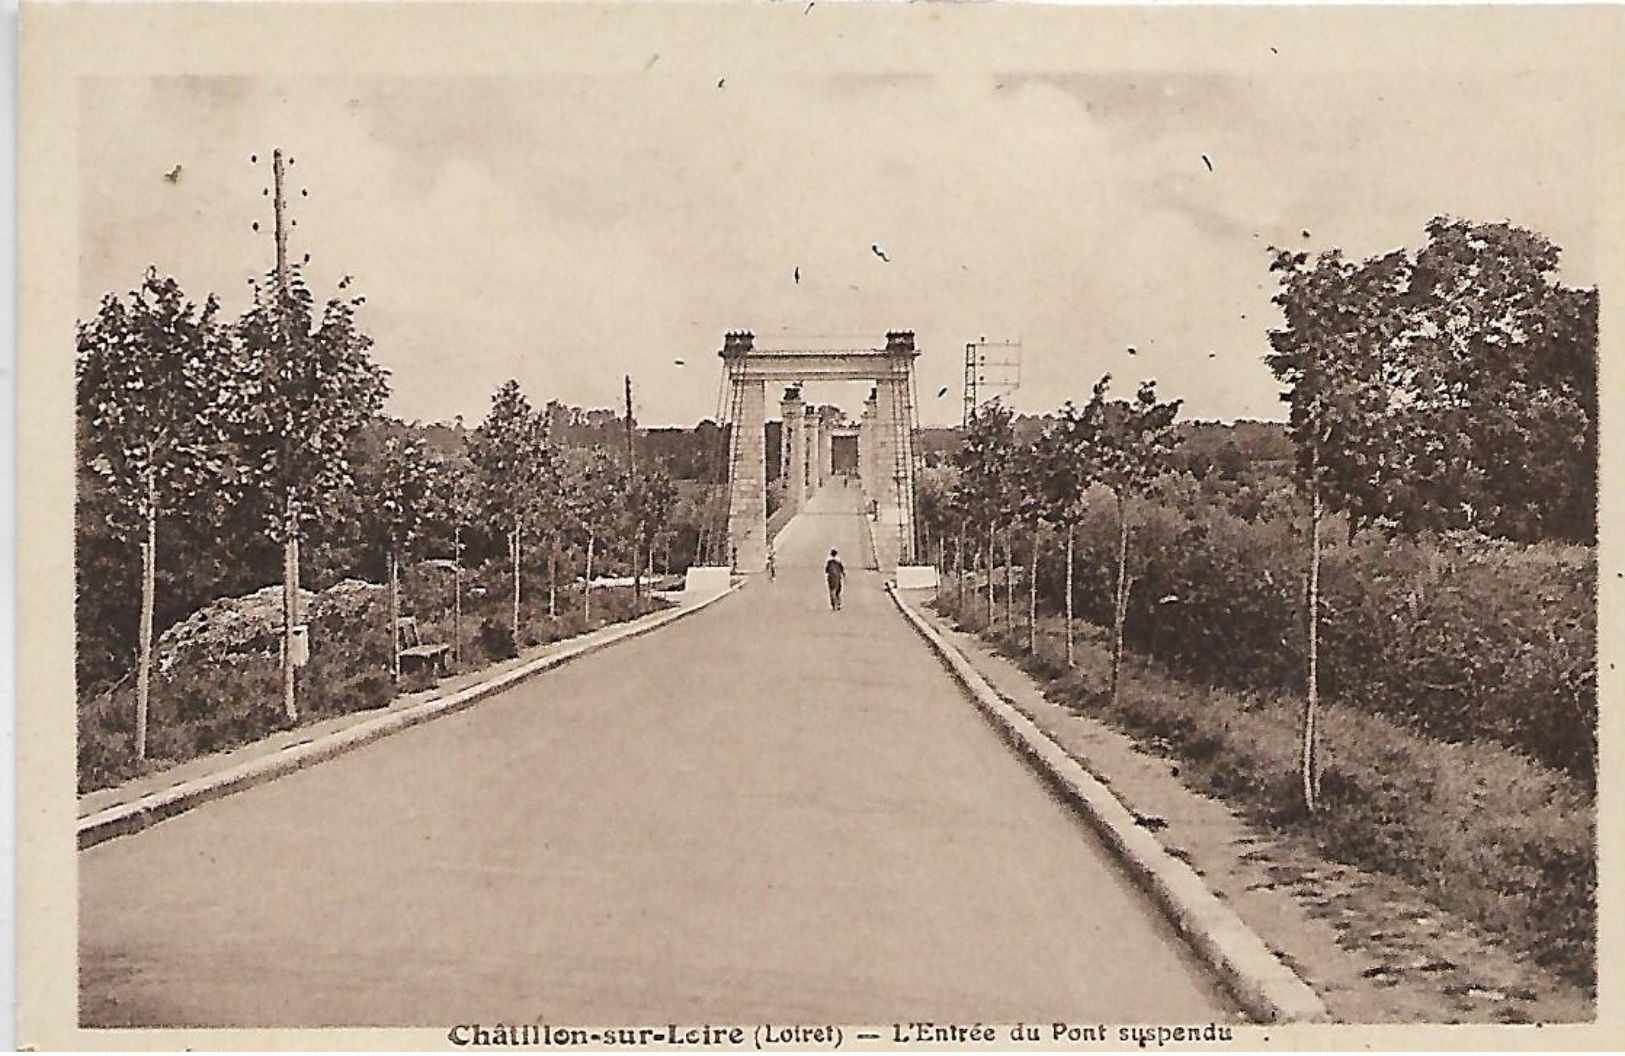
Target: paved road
x=768, y=812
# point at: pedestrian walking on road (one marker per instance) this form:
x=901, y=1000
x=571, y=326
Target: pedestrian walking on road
x=772, y=573
x=835, y=576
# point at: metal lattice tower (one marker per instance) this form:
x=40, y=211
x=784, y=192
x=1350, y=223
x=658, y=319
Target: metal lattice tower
x=992, y=369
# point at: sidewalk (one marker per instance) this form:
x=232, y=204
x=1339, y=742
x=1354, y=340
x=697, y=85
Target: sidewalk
x=141, y=801
x=1372, y=949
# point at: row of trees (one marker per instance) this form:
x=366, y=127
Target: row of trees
x=252, y=427
x=1450, y=389
x=178, y=407
x=520, y=482
x=1005, y=488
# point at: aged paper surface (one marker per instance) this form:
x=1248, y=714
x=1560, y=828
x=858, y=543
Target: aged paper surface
x=573, y=195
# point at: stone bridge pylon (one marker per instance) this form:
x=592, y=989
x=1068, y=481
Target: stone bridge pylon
x=886, y=456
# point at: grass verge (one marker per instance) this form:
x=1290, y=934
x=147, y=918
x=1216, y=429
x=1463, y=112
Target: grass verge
x=1482, y=830
x=234, y=699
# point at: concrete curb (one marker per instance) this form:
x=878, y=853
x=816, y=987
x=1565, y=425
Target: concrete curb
x=1264, y=987
x=148, y=810
x=874, y=547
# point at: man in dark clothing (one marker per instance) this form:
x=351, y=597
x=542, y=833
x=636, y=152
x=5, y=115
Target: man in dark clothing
x=834, y=575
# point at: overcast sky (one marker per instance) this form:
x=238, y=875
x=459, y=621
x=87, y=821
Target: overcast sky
x=566, y=230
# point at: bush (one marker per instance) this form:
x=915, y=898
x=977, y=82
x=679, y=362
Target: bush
x=1461, y=638
x=495, y=639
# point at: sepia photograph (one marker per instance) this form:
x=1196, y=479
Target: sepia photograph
x=818, y=525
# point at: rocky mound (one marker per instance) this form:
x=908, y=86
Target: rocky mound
x=252, y=624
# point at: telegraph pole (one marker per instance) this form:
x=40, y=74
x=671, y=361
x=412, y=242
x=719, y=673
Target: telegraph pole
x=636, y=502
x=631, y=456
x=970, y=384
x=280, y=227
x=290, y=511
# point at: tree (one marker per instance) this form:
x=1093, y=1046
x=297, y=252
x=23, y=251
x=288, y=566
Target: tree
x=598, y=497
x=649, y=504
x=983, y=491
x=958, y=519
x=1134, y=444
x=1502, y=370
x=459, y=505
x=1455, y=390
x=511, y=456
x=1033, y=509
x=1066, y=453
x=404, y=501
x=1358, y=442
x=934, y=507
x=313, y=385
x=550, y=498
x=649, y=499
x=154, y=379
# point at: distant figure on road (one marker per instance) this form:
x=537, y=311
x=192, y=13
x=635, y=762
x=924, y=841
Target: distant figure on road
x=834, y=575
x=772, y=573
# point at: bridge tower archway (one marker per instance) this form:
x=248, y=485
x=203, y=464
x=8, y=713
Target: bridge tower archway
x=883, y=448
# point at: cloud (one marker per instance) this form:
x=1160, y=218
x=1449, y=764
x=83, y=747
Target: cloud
x=567, y=231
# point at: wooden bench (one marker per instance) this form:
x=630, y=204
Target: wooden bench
x=417, y=655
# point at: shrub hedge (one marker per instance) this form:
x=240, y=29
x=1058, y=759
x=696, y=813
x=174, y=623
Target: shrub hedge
x=1461, y=638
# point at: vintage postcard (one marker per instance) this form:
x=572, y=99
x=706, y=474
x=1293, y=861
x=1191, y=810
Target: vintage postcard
x=820, y=526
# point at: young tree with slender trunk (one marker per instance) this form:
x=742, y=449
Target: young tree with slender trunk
x=599, y=496
x=1071, y=633
x=512, y=458
x=314, y=386
x=154, y=381
x=983, y=490
x=950, y=525
x=1134, y=442
x=547, y=507
x=403, y=504
x=460, y=500
x=933, y=508
x=1339, y=355
x=1453, y=390
x=650, y=498
x=957, y=561
x=1032, y=509
x=1064, y=459
x=1009, y=578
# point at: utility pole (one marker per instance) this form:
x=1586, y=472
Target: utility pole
x=631, y=455
x=970, y=384
x=636, y=502
x=290, y=510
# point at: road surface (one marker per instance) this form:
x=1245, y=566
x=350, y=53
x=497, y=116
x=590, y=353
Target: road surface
x=767, y=812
